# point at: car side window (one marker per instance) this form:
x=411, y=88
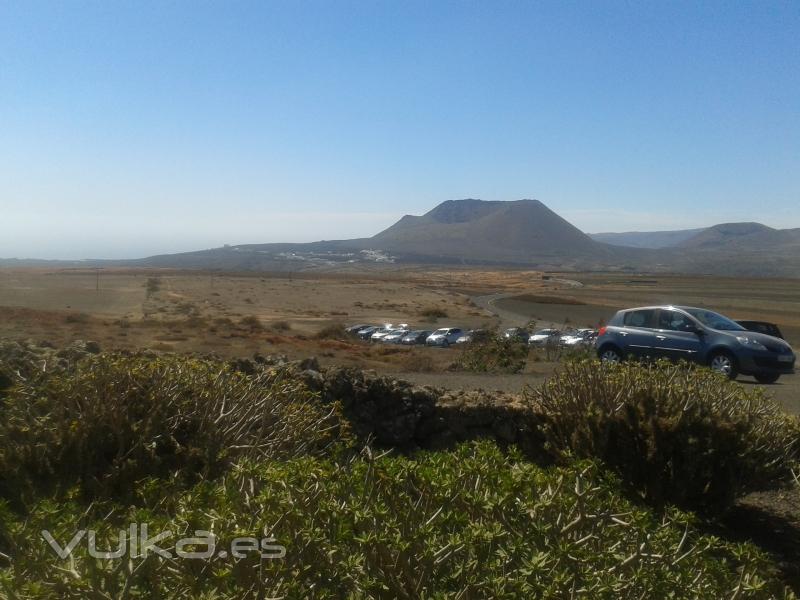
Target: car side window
x=639, y=318
x=672, y=320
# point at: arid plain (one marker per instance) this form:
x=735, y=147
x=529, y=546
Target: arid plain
x=240, y=314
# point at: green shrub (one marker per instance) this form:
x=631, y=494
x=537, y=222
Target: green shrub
x=120, y=418
x=469, y=523
x=495, y=354
x=679, y=434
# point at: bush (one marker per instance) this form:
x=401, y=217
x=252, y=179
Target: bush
x=432, y=313
x=120, y=418
x=332, y=331
x=280, y=326
x=76, y=318
x=679, y=434
x=152, y=285
x=496, y=354
x=473, y=522
x=251, y=322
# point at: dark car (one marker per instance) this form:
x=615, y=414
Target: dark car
x=762, y=327
x=698, y=335
x=365, y=333
x=354, y=329
x=412, y=338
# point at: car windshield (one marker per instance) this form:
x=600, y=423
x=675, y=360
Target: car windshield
x=714, y=320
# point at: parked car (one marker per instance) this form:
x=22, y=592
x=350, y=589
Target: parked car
x=580, y=337
x=365, y=333
x=379, y=334
x=698, y=335
x=394, y=336
x=762, y=327
x=544, y=336
x=474, y=335
x=518, y=334
x=415, y=337
x=354, y=329
x=444, y=337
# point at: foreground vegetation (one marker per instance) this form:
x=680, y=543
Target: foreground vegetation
x=678, y=433
x=185, y=445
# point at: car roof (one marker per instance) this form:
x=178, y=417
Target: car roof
x=662, y=306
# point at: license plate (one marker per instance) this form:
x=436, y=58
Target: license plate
x=785, y=359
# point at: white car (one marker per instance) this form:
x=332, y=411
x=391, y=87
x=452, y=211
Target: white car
x=394, y=336
x=574, y=338
x=543, y=337
x=376, y=335
x=444, y=337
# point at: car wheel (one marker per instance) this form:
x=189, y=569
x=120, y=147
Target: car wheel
x=610, y=355
x=764, y=378
x=445, y=344
x=724, y=363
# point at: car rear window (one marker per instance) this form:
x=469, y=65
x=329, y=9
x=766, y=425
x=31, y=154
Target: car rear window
x=640, y=318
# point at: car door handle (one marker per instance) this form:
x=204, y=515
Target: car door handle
x=661, y=337
x=623, y=333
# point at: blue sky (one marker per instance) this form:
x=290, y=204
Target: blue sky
x=135, y=128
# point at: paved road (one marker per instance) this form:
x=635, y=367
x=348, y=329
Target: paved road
x=507, y=317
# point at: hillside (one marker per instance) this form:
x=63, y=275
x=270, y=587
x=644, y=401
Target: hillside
x=518, y=232
x=751, y=237
x=647, y=239
x=497, y=231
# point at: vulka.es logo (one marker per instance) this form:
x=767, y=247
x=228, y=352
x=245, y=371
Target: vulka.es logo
x=135, y=542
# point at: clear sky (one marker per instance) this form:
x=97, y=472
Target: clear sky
x=135, y=128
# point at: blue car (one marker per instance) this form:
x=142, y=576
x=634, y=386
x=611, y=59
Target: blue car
x=697, y=335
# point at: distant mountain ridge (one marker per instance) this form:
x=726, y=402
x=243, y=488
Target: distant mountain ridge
x=647, y=239
x=513, y=233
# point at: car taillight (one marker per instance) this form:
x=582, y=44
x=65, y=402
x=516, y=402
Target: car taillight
x=601, y=332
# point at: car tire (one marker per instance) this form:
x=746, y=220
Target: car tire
x=610, y=354
x=445, y=344
x=767, y=378
x=724, y=362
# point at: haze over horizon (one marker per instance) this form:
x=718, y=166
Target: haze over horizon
x=135, y=129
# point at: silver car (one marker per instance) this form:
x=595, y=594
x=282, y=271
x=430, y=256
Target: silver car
x=544, y=337
x=394, y=337
x=444, y=337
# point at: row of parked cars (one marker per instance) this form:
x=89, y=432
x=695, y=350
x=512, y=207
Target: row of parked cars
x=572, y=338
x=403, y=334
x=447, y=336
